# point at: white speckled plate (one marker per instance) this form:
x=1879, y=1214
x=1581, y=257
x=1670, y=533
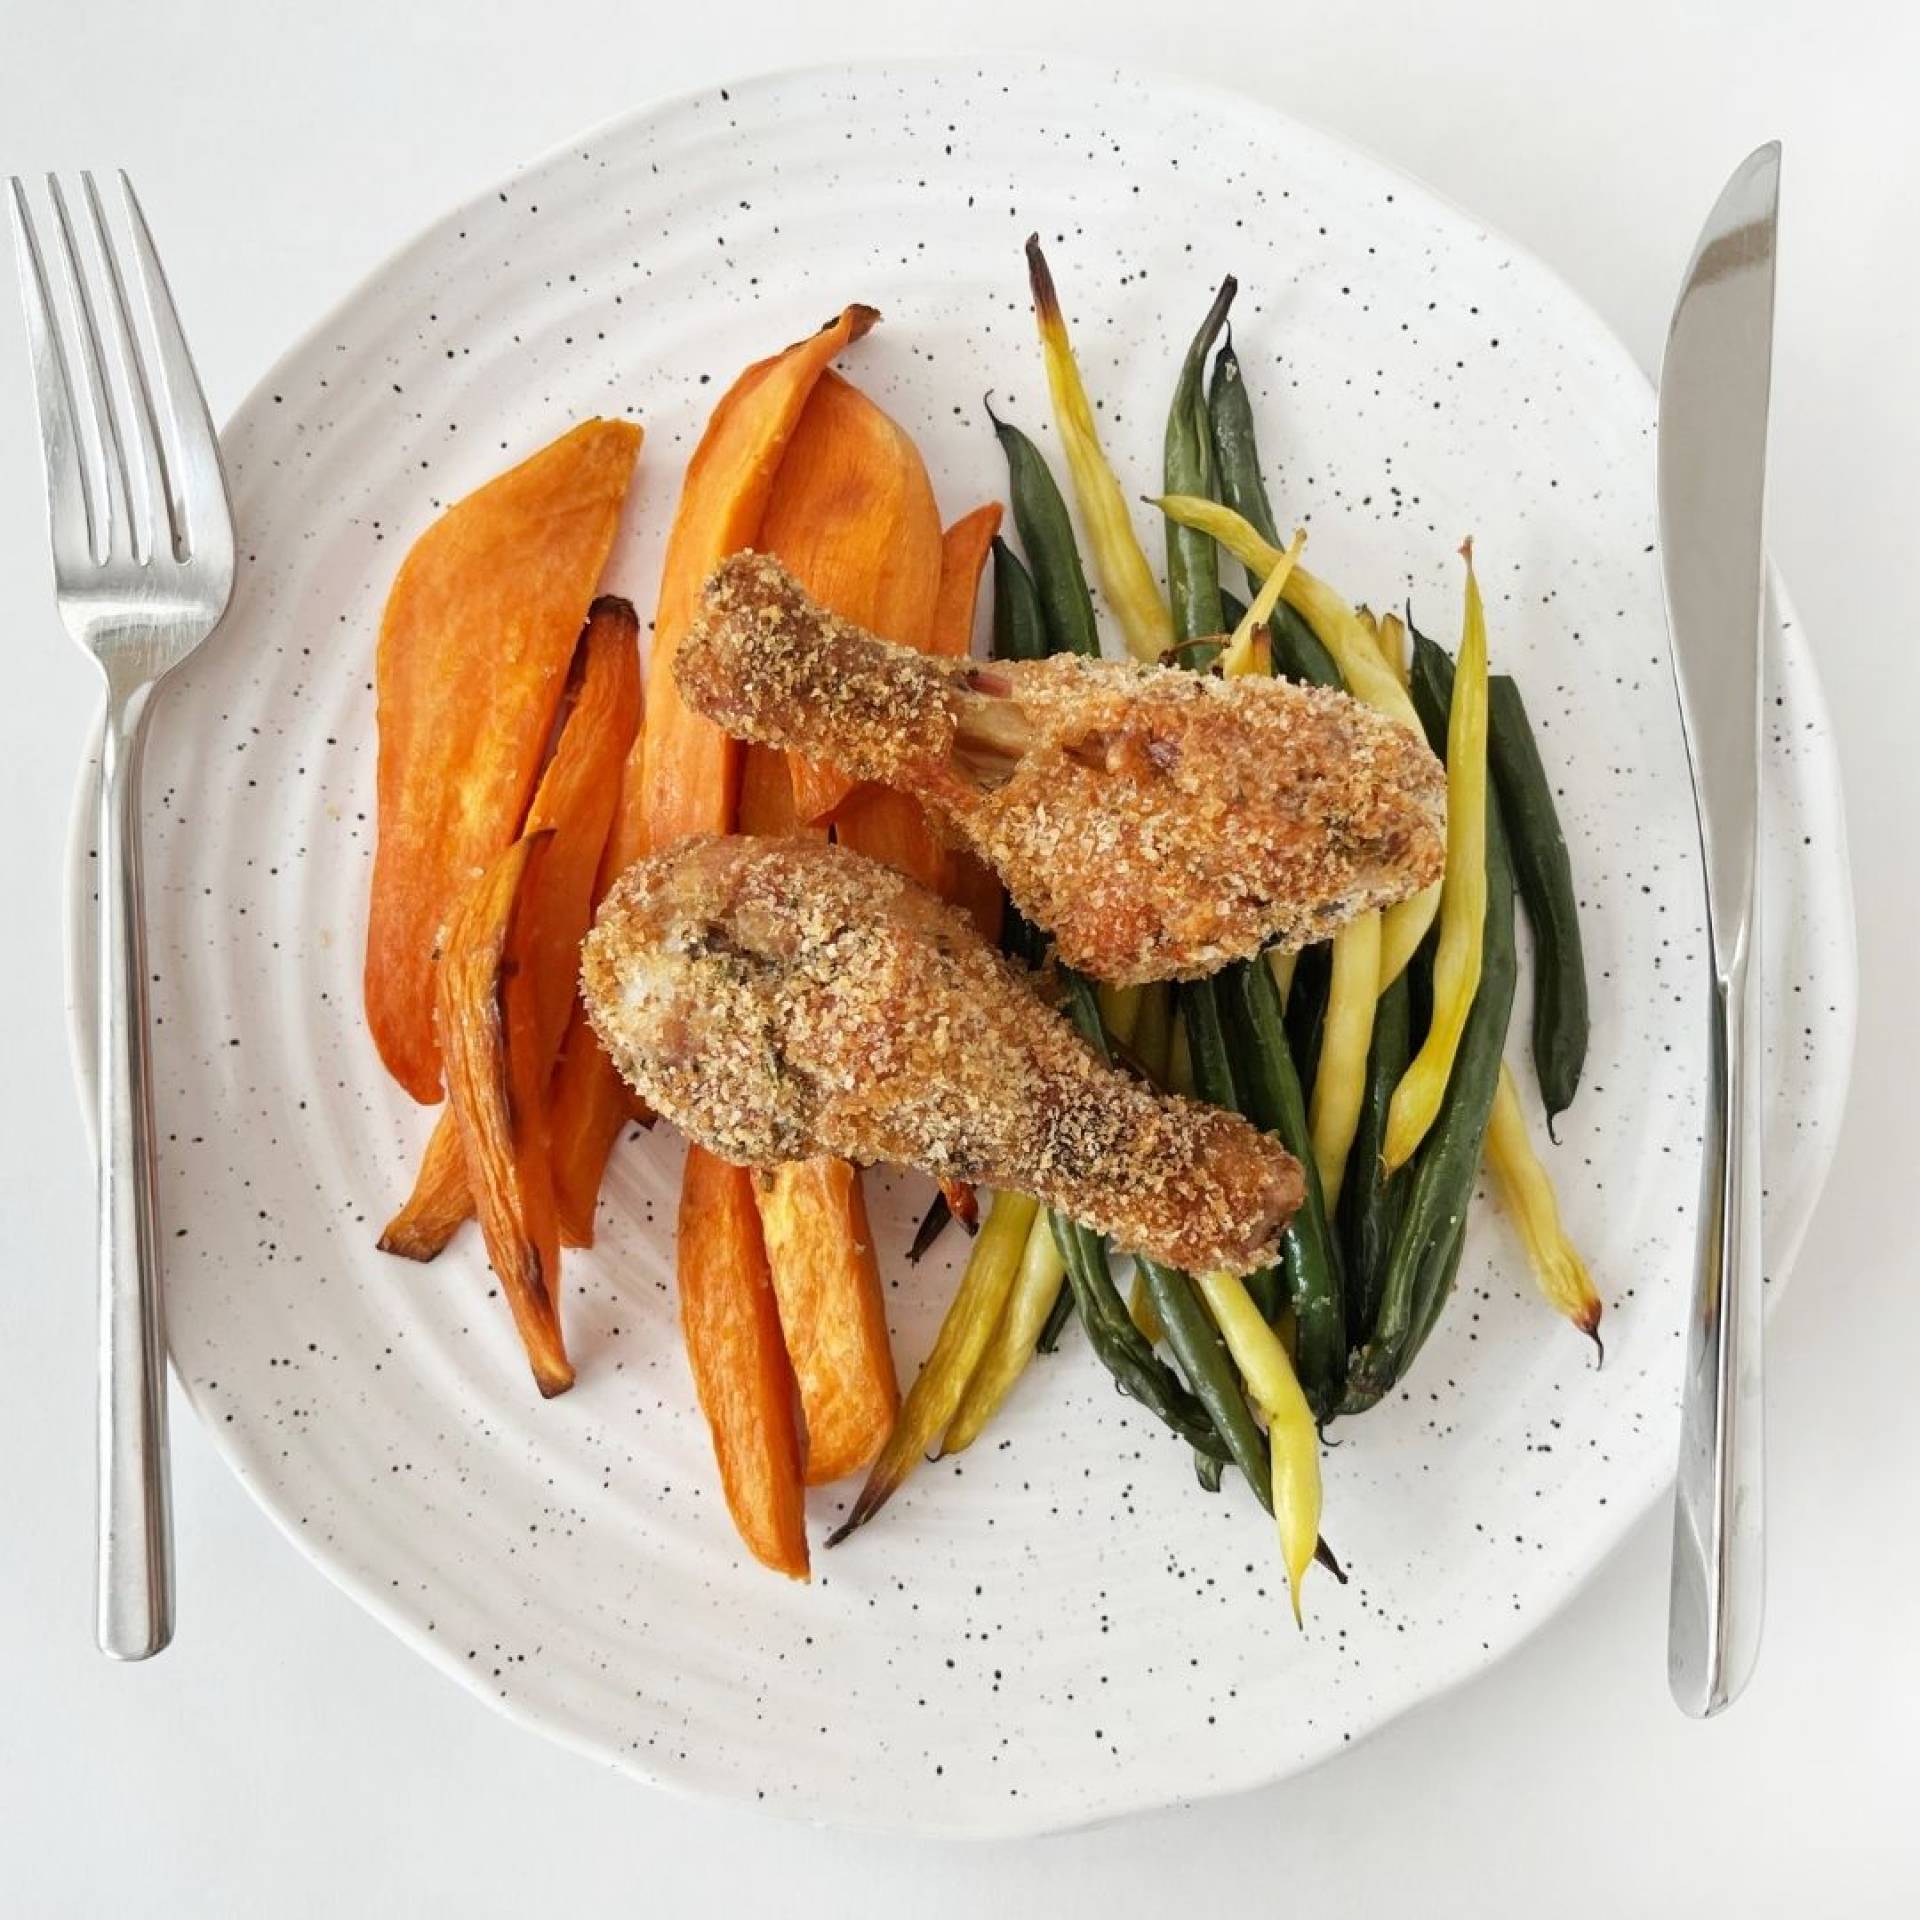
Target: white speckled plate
x=1061, y=1626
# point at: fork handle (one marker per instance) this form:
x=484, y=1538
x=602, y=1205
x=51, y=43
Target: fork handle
x=1719, y=1568
x=135, y=1617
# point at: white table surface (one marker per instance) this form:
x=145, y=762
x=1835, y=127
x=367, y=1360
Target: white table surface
x=286, y=1756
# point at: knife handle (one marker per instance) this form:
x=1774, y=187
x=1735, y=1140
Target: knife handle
x=1719, y=1564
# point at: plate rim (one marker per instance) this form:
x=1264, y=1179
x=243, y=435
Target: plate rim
x=1826, y=787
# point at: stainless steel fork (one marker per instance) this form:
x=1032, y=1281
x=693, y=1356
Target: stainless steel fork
x=143, y=569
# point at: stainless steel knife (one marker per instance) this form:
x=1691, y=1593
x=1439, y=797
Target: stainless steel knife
x=1714, y=387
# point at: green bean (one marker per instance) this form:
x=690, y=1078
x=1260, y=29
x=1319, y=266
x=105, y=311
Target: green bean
x=1137, y=1369
x=1082, y=1006
x=1019, y=630
x=1066, y=607
x=1019, y=633
x=1214, y=1079
x=1309, y=1259
x=1306, y=1008
x=1021, y=938
x=1371, y=1199
x=1153, y=1037
x=1439, y=1290
x=1125, y=1351
x=1544, y=876
x=1294, y=649
x=1211, y=1375
x=1427, y=1243
x=1430, y=682
x=1236, y=449
x=1193, y=561
x=1232, y=611
x=1195, y=1340
x=1062, y=1309
x=1419, y=979
x=932, y=1225
x=1297, y=651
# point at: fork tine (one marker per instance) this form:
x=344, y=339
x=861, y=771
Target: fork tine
x=162, y=522
x=203, y=518
x=93, y=369
x=71, y=520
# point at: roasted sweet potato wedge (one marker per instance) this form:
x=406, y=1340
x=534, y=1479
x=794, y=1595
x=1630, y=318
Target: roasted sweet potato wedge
x=575, y=798
x=740, y=1369
x=584, y=1118
x=687, y=769
x=852, y=515
x=963, y=555
x=833, y=1312
x=813, y=1219
x=977, y=889
x=487, y=1010
x=441, y=1202
x=889, y=827
x=474, y=648
x=766, y=796
x=682, y=774
x=585, y=796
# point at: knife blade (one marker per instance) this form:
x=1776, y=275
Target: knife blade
x=1715, y=386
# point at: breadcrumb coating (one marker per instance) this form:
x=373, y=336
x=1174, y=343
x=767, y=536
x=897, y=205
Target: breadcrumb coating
x=1158, y=824
x=778, y=999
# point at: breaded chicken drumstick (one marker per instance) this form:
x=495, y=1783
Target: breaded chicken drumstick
x=1158, y=824
x=778, y=999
